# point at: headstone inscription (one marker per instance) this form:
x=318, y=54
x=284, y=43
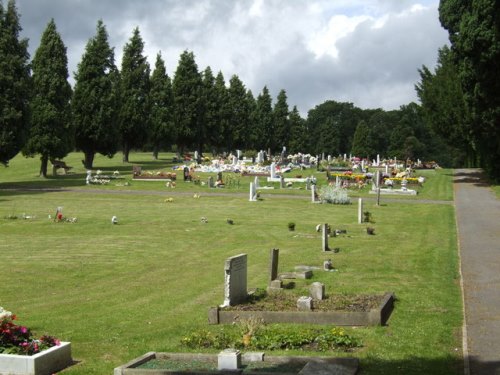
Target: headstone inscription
x=235, y=280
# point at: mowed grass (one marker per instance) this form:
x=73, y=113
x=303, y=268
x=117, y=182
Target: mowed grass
x=118, y=291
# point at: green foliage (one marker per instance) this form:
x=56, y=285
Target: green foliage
x=14, y=84
x=274, y=337
x=95, y=99
x=333, y=194
x=162, y=102
x=134, y=94
x=187, y=86
x=51, y=133
x=444, y=110
x=362, y=144
x=474, y=35
x=298, y=132
x=281, y=122
x=239, y=109
x=264, y=121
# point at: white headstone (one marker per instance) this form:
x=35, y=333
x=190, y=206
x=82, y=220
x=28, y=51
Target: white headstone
x=313, y=193
x=273, y=170
x=386, y=169
x=253, y=193
x=196, y=155
x=256, y=182
x=235, y=160
x=378, y=159
x=360, y=210
x=235, y=280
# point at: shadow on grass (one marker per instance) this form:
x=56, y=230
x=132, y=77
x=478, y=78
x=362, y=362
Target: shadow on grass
x=474, y=176
x=416, y=366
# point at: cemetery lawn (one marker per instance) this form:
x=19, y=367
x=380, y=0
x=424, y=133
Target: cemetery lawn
x=119, y=291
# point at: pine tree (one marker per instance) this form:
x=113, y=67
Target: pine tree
x=187, y=88
x=281, y=122
x=218, y=127
x=239, y=113
x=264, y=121
x=94, y=104
x=162, y=101
x=51, y=133
x=14, y=84
x=135, y=104
x=298, y=132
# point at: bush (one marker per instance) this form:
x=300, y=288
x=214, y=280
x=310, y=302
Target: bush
x=334, y=195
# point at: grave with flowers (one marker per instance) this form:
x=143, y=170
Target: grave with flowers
x=23, y=354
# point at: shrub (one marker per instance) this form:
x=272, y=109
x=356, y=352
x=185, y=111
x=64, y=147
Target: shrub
x=334, y=195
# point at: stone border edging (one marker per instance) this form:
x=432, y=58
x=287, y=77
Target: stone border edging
x=374, y=317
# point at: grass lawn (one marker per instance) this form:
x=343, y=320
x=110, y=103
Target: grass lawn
x=118, y=291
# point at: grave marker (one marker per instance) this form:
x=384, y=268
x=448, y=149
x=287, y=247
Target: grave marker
x=324, y=237
x=253, y=193
x=273, y=170
x=360, y=210
x=235, y=280
x=273, y=264
x=313, y=193
x=317, y=291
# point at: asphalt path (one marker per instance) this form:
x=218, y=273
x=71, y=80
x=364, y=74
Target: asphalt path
x=478, y=224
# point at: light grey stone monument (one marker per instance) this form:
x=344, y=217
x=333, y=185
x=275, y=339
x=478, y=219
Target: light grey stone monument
x=235, y=160
x=308, y=183
x=387, y=169
x=273, y=170
x=378, y=160
x=196, y=156
x=324, y=237
x=210, y=182
x=229, y=359
x=235, y=280
x=360, y=210
x=256, y=182
x=89, y=177
x=337, y=181
x=238, y=154
x=313, y=193
x=253, y=193
x=304, y=303
x=317, y=291
x=282, y=182
x=274, y=284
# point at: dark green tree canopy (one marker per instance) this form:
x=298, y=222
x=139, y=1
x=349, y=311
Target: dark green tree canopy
x=264, y=121
x=281, y=121
x=162, y=101
x=51, y=133
x=95, y=100
x=187, y=88
x=239, y=113
x=15, y=89
x=135, y=105
x=474, y=32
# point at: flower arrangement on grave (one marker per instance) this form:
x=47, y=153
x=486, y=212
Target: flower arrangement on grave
x=17, y=339
x=156, y=175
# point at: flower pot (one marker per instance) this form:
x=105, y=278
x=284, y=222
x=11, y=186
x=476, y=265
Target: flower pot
x=46, y=362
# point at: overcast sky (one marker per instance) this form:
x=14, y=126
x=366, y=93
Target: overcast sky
x=367, y=52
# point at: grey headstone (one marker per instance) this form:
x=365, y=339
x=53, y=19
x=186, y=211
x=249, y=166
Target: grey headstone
x=304, y=303
x=273, y=264
x=317, y=291
x=235, y=280
x=360, y=210
x=324, y=237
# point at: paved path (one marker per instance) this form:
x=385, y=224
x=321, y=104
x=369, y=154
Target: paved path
x=478, y=220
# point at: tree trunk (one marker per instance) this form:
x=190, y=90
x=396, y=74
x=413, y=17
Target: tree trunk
x=43, y=166
x=126, y=151
x=89, y=159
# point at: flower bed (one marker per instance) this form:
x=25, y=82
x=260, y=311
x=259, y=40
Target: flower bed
x=21, y=353
x=156, y=176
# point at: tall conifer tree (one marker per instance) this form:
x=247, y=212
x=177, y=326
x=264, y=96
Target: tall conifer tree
x=94, y=104
x=187, y=88
x=135, y=103
x=14, y=84
x=281, y=122
x=51, y=133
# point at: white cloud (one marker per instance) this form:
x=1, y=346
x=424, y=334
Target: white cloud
x=363, y=51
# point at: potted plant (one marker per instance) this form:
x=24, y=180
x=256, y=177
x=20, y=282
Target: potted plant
x=21, y=352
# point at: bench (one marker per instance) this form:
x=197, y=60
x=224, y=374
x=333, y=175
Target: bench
x=59, y=164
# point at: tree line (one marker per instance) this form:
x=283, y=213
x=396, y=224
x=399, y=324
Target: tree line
x=461, y=97
x=112, y=109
